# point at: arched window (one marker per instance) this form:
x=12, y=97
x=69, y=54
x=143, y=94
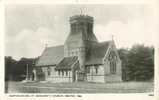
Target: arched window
x=49, y=71
x=66, y=73
x=87, y=69
x=62, y=73
x=112, y=60
x=59, y=72
x=96, y=69
x=112, y=67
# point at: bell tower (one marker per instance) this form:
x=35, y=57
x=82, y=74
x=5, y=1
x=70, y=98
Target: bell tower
x=81, y=29
x=81, y=36
x=83, y=25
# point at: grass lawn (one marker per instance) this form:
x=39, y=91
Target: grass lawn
x=83, y=87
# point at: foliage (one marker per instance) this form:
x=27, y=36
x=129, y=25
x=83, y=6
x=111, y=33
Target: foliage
x=10, y=64
x=137, y=63
x=16, y=70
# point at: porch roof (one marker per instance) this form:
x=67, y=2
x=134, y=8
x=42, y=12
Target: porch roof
x=66, y=63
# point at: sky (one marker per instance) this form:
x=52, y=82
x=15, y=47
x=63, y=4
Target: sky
x=28, y=28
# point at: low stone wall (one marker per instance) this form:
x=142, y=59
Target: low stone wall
x=104, y=78
x=113, y=78
x=95, y=78
x=59, y=79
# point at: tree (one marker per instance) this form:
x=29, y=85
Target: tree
x=123, y=53
x=137, y=63
x=16, y=70
x=140, y=63
x=10, y=65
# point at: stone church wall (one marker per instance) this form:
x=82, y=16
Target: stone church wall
x=54, y=75
x=61, y=78
x=112, y=77
x=94, y=76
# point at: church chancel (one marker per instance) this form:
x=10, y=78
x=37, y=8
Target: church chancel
x=81, y=58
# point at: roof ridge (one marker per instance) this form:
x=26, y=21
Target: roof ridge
x=105, y=41
x=55, y=46
x=71, y=57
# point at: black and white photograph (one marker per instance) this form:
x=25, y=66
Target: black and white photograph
x=79, y=48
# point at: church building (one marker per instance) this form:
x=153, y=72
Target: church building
x=82, y=58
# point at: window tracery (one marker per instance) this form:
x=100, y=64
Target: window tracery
x=112, y=60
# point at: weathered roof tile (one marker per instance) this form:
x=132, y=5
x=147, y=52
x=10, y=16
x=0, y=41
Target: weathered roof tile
x=96, y=53
x=67, y=62
x=55, y=55
x=51, y=56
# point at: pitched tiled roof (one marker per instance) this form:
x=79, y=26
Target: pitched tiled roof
x=67, y=62
x=55, y=55
x=51, y=56
x=96, y=53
